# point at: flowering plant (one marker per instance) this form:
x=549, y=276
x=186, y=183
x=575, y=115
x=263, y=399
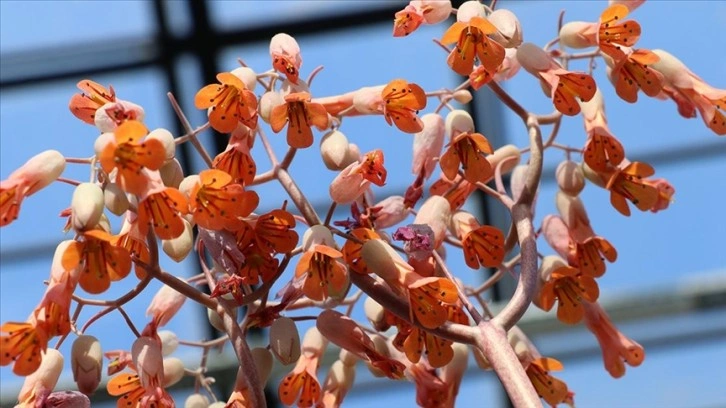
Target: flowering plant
x=422, y=320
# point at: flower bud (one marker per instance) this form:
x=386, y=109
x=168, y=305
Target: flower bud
x=375, y=314
x=381, y=258
x=41, y=170
x=146, y=355
x=188, y=184
x=87, y=363
x=44, y=379
x=510, y=66
x=67, y=399
x=169, y=342
x=436, y=213
x=533, y=58
x=216, y=321
x=510, y=31
x=247, y=76
x=285, y=340
x=314, y=342
x=171, y=173
x=86, y=206
x=469, y=9
x=101, y=141
x=427, y=144
x=570, y=178
x=549, y=264
x=437, y=11
x=173, y=371
x=458, y=121
x=556, y=234
x=463, y=96
x=334, y=150
x=508, y=155
x=339, y=380
x=391, y=211
x=196, y=401
x=593, y=176
x=263, y=361
x=218, y=404
x=166, y=139
x=287, y=87
x=178, y=248
x=353, y=154
x=115, y=199
x=165, y=304
x=317, y=235
x=110, y=116
x=268, y=101
x=347, y=358
x=578, y=34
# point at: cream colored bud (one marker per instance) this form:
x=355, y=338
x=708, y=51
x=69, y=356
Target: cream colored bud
x=436, y=11
x=216, y=321
x=570, y=177
x=165, y=304
x=382, y=259
x=352, y=156
x=263, y=361
x=381, y=346
x=375, y=314
x=593, y=176
x=87, y=363
x=166, y=139
x=101, y=141
x=179, y=248
x=285, y=340
x=41, y=170
x=334, y=150
x=458, y=121
x=549, y=264
x=510, y=31
x=171, y=173
x=533, y=58
x=340, y=377
x=173, y=371
x=188, y=184
x=573, y=34
x=218, y=404
x=247, y=76
x=508, y=155
x=86, y=206
x=115, y=199
x=463, y=96
x=469, y=9
x=196, y=401
x=267, y=102
x=392, y=211
x=45, y=377
x=104, y=223
x=287, y=87
x=347, y=358
x=436, y=213
x=169, y=342
x=314, y=342
x=317, y=235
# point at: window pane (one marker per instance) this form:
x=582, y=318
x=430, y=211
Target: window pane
x=26, y=25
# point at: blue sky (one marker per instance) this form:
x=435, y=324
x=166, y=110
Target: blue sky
x=655, y=250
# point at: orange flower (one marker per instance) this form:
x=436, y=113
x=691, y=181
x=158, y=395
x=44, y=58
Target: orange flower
x=128, y=386
x=472, y=42
x=100, y=261
x=163, y=210
x=633, y=73
x=407, y=21
x=134, y=242
x=372, y=168
x=455, y=192
x=480, y=76
x=217, y=203
x=325, y=276
x=412, y=341
x=286, y=58
x=403, y=100
x=231, y=102
x=467, y=150
x=628, y=183
x=551, y=389
x=352, y=250
x=300, y=115
x=615, y=35
x=601, y=149
x=258, y=264
x=571, y=288
x=483, y=244
x=275, y=230
x=84, y=105
x=616, y=347
x=53, y=312
x=590, y=255
x=301, y=384
x=237, y=161
x=355, y=179
x=127, y=153
x=22, y=345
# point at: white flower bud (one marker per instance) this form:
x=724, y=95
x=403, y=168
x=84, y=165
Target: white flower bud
x=263, y=361
x=317, y=235
x=267, y=102
x=166, y=139
x=196, y=401
x=115, y=199
x=468, y=10
x=334, y=150
x=570, y=177
x=510, y=31
x=173, y=371
x=169, y=342
x=179, y=248
x=458, y=121
x=102, y=141
x=285, y=340
x=86, y=206
x=171, y=173
x=87, y=363
x=463, y=96
x=188, y=183
x=247, y=76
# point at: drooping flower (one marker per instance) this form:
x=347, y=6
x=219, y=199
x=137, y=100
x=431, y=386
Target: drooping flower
x=602, y=149
x=299, y=114
x=455, y=192
x=563, y=86
x=84, y=105
x=275, y=230
x=633, y=73
x=355, y=179
x=616, y=347
x=99, y=260
x=628, y=183
x=407, y=21
x=231, y=102
x=134, y=242
x=23, y=345
x=164, y=305
x=352, y=249
x=615, y=37
x=237, y=161
x=551, y=389
x=216, y=202
x=36, y=174
x=472, y=42
x=324, y=275
x=571, y=288
x=483, y=244
x=467, y=150
x=403, y=100
x=590, y=255
x=286, y=58
x=301, y=385
x=162, y=208
x=129, y=154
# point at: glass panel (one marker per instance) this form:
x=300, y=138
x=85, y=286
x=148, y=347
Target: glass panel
x=26, y=25
x=232, y=15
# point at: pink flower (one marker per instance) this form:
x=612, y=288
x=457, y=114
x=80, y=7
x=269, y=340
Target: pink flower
x=286, y=58
x=165, y=304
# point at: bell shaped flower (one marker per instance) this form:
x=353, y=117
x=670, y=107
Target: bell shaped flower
x=84, y=105
x=23, y=345
x=299, y=114
x=571, y=289
x=320, y=267
x=216, y=202
x=230, y=101
x=301, y=385
x=286, y=58
x=617, y=349
x=236, y=160
x=553, y=390
x=483, y=244
x=354, y=180
x=602, y=149
x=99, y=260
x=467, y=150
x=472, y=41
x=635, y=73
x=161, y=208
x=402, y=102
